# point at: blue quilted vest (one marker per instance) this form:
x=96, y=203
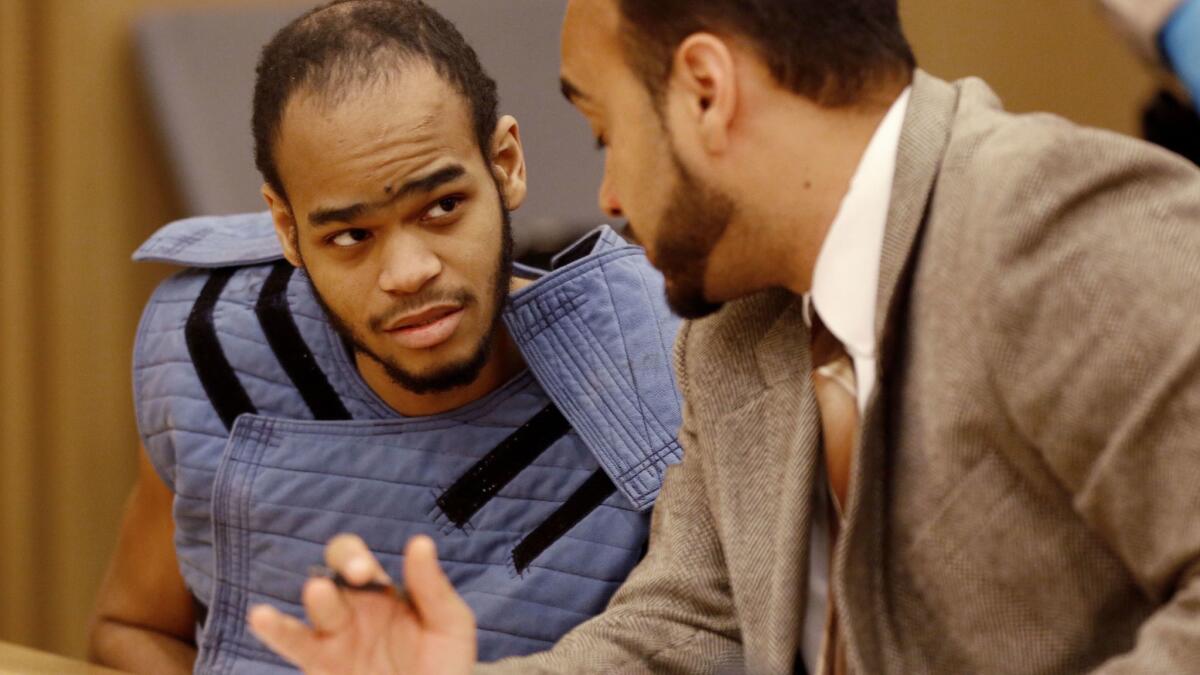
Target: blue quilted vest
x=253, y=412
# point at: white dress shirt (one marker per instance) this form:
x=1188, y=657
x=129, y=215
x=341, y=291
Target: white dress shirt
x=844, y=294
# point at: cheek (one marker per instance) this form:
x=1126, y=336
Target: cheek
x=474, y=246
x=477, y=267
x=638, y=182
x=345, y=289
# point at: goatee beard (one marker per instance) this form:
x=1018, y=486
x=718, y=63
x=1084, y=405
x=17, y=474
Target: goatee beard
x=453, y=375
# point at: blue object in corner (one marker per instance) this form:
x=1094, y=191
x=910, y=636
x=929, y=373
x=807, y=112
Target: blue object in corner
x=1180, y=40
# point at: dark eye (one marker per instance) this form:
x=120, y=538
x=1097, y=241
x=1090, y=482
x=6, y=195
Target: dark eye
x=601, y=143
x=350, y=238
x=444, y=207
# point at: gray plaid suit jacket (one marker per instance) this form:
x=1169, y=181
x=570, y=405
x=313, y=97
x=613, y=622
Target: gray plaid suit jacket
x=1026, y=494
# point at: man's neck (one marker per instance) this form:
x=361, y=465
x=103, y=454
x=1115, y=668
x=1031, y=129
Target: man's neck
x=792, y=217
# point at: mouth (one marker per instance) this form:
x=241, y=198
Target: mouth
x=426, y=329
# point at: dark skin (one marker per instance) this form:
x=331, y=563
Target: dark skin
x=392, y=208
x=143, y=621
x=391, y=205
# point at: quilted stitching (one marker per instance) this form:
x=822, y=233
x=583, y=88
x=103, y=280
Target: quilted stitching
x=571, y=580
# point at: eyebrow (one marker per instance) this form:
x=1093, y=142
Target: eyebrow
x=423, y=185
x=570, y=91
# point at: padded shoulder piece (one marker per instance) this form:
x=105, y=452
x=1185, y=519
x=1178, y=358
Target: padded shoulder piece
x=245, y=338
x=214, y=241
x=215, y=344
x=598, y=335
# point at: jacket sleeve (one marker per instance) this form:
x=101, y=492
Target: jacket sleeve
x=1097, y=314
x=674, y=613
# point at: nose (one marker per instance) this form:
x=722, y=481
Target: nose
x=407, y=264
x=609, y=203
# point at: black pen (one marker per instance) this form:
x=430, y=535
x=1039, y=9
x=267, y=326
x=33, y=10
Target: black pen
x=342, y=582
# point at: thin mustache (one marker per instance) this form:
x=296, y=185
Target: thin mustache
x=408, y=305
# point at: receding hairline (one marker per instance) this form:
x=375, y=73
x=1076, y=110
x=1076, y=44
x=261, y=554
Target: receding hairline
x=331, y=51
x=326, y=100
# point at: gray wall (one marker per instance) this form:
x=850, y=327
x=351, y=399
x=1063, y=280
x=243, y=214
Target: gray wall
x=198, y=66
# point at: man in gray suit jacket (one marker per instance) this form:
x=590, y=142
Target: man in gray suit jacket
x=948, y=418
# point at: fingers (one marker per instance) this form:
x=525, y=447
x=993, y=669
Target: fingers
x=348, y=555
x=327, y=609
x=285, y=635
x=440, y=607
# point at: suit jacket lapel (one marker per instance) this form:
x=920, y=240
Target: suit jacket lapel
x=918, y=162
x=793, y=420
x=860, y=559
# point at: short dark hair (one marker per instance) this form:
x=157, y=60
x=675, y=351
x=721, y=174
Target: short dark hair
x=830, y=51
x=353, y=42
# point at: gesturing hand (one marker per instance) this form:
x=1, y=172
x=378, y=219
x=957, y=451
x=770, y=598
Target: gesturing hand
x=360, y=632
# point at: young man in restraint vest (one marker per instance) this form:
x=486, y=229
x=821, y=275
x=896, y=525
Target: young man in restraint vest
x=366, y=358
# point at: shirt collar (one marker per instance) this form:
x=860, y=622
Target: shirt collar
x=846, y=275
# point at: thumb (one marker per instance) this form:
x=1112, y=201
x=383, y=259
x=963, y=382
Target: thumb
x=440, y=607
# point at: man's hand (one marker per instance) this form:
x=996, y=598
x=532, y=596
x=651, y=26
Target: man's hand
x=355, y=631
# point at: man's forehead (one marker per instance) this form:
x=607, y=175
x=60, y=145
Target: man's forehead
x=416, y=96
x=375, y=135
x=603, y=13
x=589, y=36
x=415, y=107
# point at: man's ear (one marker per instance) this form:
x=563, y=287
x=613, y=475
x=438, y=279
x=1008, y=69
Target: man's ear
x=285, y=224
x=705, y=89
x=508, y=162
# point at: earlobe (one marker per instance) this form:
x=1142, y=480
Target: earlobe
x=508, y=162
x=285, y=224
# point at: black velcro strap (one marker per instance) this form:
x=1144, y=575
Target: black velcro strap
x=275, y=315
x=586, y=499
x=217, y=377
x=481, y=482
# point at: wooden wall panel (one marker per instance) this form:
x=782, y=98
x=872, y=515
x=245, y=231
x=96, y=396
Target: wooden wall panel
x=1056, y=55
x=100, y=198
x=82, y=183
x=20, y=520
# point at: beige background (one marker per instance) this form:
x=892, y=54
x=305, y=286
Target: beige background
x=82, y=182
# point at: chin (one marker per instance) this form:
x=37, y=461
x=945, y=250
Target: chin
x=446, y=375
x=689, y=301
x=448, y=355
x=451, y=365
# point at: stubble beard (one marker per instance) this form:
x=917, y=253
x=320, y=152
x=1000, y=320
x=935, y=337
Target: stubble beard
x=695, y=219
